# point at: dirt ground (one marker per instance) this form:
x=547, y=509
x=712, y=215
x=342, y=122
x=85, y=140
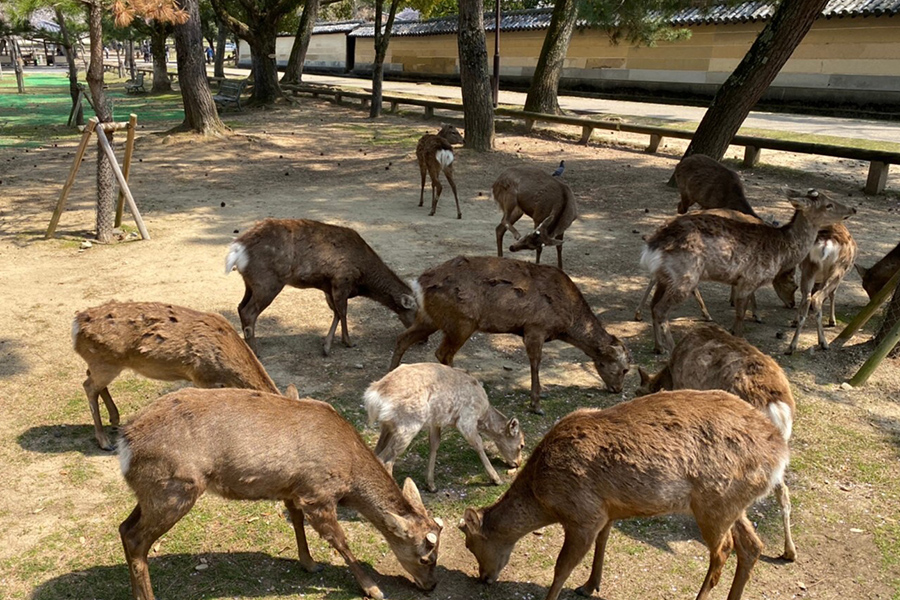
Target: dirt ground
x=61, y=498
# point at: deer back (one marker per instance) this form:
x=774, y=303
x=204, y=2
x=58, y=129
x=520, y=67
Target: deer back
x=168, y=342
x=875, y=277
x=710, y=184
x=539, y=195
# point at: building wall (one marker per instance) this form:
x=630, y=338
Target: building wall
x=327, y=50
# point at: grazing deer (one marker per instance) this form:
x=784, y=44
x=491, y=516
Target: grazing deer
x=435, y=154
x=709, y=454
x=500, y=295
x=247, y=445
x=413, y=396
x=709, y=358
x=710, y=184
x=160, y=341
x=546, y=199
x=875, y=277
x=308, y=254
x=821, y=272
x=701, y=246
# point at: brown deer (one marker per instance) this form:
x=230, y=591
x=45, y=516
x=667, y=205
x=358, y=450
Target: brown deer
x=160, y=341
x=701, y=246
x=435, y=154
x=546, y=199
x=709, y=358
x=709, y=454
x=500, y=295
x=821, y=273
x=308, y=254
x=247, y=445
x=710, y=184
x=427, y=394
x=875, y=277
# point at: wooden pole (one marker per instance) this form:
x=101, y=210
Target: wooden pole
x=866, y=313
x=126, y=167
x=878, y=355
x=79, y=155
x=132, y=206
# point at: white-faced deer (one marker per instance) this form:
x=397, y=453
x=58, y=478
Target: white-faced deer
x=500, y=295
x=702, y=246
x=308, y=254
x=246, y=445
x=709, y=358
x=160, y=341
x=708, y=454
x=821, y=272
x=435, y=155
x=874, y=278
x=437, y=396
x=546, y=199
x=710, y=184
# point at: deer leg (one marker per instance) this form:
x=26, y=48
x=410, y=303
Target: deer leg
x=753, y=313
x=448, y=171
x=577, y=542
x=640, y=308
x=257, y=298
x=741, y=299
x=453, y=341
x=783, y=496
x=559, y=252
x=537, y=254
x=506, y=223
x=748, y=548
x=98, y=378
x=666, y=296
x=703, y=312
x=434, y=441
x=418, y=332
x=435, y=171
x=831, y=319
x=818, y=303
x=422, y=169
x=111, y=407
x=534, y=346
x=470, y=433
x=329, y=337
x=802, y=312
x=339, y=295
x=716, y=533
x=306, y=560
x=324, y=520
x=593, y=583
x=396, y=444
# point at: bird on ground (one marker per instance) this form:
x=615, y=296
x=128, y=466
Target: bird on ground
x=559, y=170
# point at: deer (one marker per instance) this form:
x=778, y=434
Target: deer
x=875, y=277
x=434, y=152
x=706, y=453
x=710, y=358
x=709, y=183
x=250, y=445
x=821, y=273
x=700, y=246
x=427, y=394
x=500, y=295
x=548, y=200
x=160, y=341
x=309, y=254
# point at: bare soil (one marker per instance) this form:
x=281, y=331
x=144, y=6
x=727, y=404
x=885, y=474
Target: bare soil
x=61, y=498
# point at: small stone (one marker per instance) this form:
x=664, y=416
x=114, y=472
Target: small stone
x=85, y=245
x=507, y=368
x=201, y=567
x=855, y=530
x=359, y=366
x=846, y=386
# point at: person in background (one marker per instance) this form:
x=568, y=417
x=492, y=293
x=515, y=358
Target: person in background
x=210, y=54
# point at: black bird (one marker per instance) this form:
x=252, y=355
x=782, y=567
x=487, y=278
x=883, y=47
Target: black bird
x=559, y=170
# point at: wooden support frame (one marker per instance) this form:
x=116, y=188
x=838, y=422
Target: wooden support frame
x=863, y=316
x=126, y=166
x=64, y=194
x=886, y=345
x=586, y=132
x=124, y=184
x=751, y=156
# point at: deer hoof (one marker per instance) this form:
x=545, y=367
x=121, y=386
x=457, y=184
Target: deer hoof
x=536, y=409
x=459, y=215
x=638, y=316
x=789, y=351
x=431, y=214
x=374, y=592
x=586, y=590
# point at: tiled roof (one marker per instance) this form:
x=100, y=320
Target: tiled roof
x=337, y=27
x=539, y=18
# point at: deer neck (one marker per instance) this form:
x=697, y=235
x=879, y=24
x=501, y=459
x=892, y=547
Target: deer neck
x=374, y=494
x=587, y=334
x=517, y=513
x=798, y=237
x=386, y=288
x=491, y=422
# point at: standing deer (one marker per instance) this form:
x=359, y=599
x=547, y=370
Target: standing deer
x=500, y=295
x=435, y=154
x=875, y=277
x=413, y=396
x=546, y=199
x=709, y=358
x=709, y=454
x=246, y=445
x=701, y=246
x=160, y=341
x=821, y=272
x=308, y=254
x=710, y=184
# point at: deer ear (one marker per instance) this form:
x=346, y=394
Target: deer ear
x=645, y=378
x=408, y=302
x=411, y=493
x=512, y=428
x=396, y=524
x=471, y=521
x=291, y=392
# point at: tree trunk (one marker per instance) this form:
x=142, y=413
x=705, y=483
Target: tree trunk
x=106, y=197
x=161, y=83
x=199, y=109
x=478, y=108
x=70, y=59
x=265, y=75
x=219, y=63
x=293, y=73
x=542, y=95
x=891, y=316
x=743, y=88
x=382, y=39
